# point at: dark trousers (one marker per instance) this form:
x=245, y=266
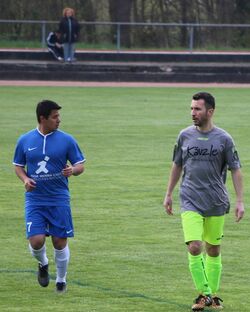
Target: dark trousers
x=56, y=52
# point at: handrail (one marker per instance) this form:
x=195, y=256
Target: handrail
x=189, y=26
x=131, y=23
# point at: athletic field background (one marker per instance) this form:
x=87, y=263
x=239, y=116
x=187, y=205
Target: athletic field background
x=127, y=254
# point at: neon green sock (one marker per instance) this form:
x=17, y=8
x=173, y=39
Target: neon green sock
x=197, y=269
x=213, y=271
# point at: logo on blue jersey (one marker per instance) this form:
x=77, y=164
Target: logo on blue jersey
x=43, y=174
x=42, y=166
x=31, y=148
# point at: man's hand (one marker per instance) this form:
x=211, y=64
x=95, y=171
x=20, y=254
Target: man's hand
x=239, y=210
x=168, y=204
x=68, y=171
x=29, y=184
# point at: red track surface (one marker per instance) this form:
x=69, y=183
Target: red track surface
x=117, y=84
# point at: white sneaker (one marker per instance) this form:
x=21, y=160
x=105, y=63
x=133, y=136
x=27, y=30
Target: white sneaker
x=60, y=58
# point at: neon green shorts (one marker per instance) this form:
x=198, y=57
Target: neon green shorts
x=197, y=227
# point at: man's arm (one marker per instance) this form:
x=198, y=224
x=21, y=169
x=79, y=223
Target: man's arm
x=73, y=170
x=173, y=180
x=238, y=186
x=29, y=183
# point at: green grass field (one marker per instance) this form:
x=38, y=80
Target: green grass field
x=127, y=254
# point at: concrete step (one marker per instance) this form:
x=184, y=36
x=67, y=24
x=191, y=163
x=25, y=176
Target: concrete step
x=131, y=56
x=166, y=73
x=127, y=66
x=208, y=67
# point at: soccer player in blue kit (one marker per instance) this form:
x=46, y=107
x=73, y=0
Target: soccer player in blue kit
x=44, y=159
x=202, y=155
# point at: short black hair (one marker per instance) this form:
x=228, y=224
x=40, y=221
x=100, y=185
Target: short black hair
x=45, y=107
x=207, y=97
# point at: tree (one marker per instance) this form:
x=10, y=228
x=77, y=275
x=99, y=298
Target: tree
x=120, y=11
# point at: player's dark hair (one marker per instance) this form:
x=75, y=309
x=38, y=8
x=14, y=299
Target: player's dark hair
x=207, y=97
x=45, y=107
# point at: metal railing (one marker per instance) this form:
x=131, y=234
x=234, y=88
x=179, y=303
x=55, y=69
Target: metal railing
x=190, y=27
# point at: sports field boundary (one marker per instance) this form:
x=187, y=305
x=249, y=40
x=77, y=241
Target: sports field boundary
x=38, y=83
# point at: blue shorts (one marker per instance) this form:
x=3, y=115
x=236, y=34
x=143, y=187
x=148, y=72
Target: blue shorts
x=49, y=220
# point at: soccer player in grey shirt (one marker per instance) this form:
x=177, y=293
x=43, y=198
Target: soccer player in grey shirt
x=202, y=154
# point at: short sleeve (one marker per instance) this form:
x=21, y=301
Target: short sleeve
x=177, y=153
x=232, y=157
x=19, y=155
x=75, y=154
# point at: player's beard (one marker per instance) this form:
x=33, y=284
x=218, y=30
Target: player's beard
x=200, y=122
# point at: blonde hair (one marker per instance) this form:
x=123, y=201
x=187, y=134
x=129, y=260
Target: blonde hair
x=68, y=10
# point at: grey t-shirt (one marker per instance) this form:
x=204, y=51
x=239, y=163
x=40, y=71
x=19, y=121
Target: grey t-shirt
x=204, y=158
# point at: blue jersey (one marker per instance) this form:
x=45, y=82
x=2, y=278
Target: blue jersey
x=45, y=156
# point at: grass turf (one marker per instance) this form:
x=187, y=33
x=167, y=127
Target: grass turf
x=127, y=254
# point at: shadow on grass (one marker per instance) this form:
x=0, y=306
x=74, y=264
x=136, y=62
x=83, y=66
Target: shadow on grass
x=117, y=292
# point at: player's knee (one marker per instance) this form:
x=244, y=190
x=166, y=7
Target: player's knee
x=195, y=248
x=213, y=250
x=59, y=243
x=37, y=242
x=36, y=245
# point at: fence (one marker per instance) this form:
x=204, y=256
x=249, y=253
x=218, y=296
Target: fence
x=188, y=36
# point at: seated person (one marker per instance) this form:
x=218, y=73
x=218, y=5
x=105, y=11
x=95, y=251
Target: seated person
x=54, y=44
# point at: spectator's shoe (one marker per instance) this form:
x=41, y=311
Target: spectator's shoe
x=69, y=60
x=201, y=302
x=60, y=58
x=61, y=287
x=216, y=303
x=43, y=275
